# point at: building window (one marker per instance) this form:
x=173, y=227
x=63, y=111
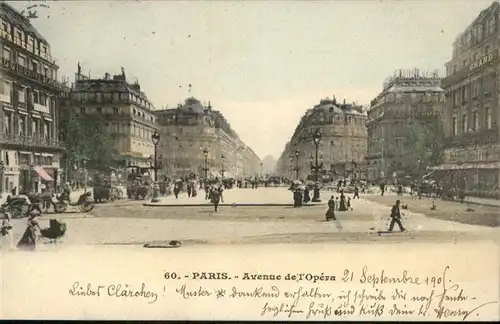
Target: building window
x=6, y=53
x=34, y=66
x=486, y=50
x=464, y=123
x=7, y=119
x=99, y=110
x=22, y=125
x=21, y=60
x=4, y=26
x=488, y=117
x=82, y=110
x=464, y=93
x=115, y=110
x=491, y=26
x=21, y=95
x=46, y=128
x=475, y=121
x=6, y=88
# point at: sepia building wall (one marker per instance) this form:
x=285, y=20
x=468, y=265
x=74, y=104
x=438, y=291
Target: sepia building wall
x=128, y=115
x=29, y=145
x=407, y=96
x=343, y=142
x=192, y=127
x=472, y=85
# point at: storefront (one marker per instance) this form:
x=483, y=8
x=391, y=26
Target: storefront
x=477, y=179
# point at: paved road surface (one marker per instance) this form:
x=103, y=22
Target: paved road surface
x=128, y=222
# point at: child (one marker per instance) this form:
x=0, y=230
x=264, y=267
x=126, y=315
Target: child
x=349, y=203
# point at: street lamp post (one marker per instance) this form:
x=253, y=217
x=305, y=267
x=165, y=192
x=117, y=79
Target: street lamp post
x=261, y=173
x=205, y=168
x=297, y=168
x=222, y=157
x=85, y=174
x=155, y=138
x=316, y=166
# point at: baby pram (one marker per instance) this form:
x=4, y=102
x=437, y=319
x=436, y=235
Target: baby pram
x=55, y=230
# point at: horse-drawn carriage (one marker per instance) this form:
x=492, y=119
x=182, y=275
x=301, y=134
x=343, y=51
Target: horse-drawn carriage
x=105, y=188
x=139, y=183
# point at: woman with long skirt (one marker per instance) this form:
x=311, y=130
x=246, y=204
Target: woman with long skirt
x=28, y=240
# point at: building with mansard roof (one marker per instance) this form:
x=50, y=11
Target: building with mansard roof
x=126, y=111
x=29, y=145
x=189, y=129
x=343, y=142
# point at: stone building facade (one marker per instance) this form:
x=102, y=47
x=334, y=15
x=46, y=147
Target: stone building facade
x=123, y=107
x=189, y=129
x=343, y=142
x=472, y=118
x=409, y=95
x=29, y=145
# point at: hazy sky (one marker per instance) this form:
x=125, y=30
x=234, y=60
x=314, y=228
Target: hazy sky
x=261, y=63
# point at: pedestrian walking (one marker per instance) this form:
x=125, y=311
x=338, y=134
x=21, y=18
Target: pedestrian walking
x=307, y=198
x=356, y=193
x=189, y=189
x=342, y=204
x=337, y=203
x=396, y=217
x=330, y=212
x=349, y=203
x=5, y=236
x=215, y=198
x=221, y=190
x=29, y=239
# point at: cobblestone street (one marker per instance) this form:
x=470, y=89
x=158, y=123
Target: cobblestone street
x=129, y=222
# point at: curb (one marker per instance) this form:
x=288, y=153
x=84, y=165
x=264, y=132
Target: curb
x=228, y=205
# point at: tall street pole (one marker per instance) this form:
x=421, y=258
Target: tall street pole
x=297, y=153
x=155, y=138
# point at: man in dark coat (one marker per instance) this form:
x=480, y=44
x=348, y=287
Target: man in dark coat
x=356, y=192
x=215, y=198
x=396, y=217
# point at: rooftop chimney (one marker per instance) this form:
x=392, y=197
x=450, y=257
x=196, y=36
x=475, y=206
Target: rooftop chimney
x=107, y=76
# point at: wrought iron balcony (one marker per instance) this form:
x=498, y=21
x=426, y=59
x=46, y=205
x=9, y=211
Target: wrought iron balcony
x=30, y=141
x=488, y=136
x=30, y=74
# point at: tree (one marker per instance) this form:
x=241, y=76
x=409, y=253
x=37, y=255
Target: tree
x=86, y=139
x=423, y=146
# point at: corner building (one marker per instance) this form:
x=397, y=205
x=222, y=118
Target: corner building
x=29, y=145
x=128, y=114
x=189, y=129
x=408, y=95
x=472, y=85
x=343, y=141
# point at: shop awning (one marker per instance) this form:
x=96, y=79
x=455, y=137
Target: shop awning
x=466, y=166
x=43, y=174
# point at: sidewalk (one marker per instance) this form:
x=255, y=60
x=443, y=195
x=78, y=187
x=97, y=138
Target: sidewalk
x=487, y=202
x=273, y=196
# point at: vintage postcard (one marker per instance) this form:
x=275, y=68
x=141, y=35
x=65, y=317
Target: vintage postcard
x=250, y=160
